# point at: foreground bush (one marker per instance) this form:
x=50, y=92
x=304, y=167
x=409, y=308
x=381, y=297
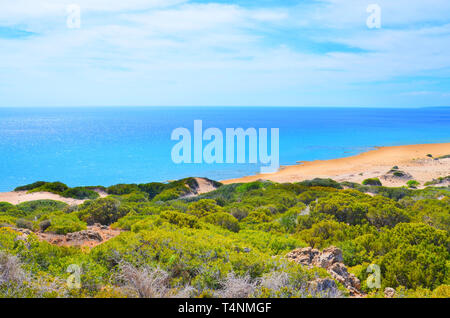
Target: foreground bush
x=104, y=211
x=232, y=241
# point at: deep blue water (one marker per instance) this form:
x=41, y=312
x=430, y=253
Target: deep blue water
x=105, y=146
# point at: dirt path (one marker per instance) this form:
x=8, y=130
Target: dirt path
x=93, y=236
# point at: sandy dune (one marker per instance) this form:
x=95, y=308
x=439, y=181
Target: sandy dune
x=16, y=197
x=376, y=163
x=204, y=186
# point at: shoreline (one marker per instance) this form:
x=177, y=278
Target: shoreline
x=376, y=163
x=411, y=159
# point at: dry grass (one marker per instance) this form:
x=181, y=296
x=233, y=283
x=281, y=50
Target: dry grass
x=237, y=287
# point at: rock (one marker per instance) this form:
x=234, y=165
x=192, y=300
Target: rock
x=332, y=260
x=328, y=257
x=87, y=235
x=389, y=292
x=324, y=287
x=303, y=256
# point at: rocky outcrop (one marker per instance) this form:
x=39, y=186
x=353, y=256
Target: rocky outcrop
x=87, y=235
x=331, y=259
x=324, y=288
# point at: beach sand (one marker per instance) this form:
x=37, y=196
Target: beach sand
x=411, y=159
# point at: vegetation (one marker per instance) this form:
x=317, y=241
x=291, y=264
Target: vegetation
x=413, y=184
x=61, y=189
x=372, y=181
x=230, y=242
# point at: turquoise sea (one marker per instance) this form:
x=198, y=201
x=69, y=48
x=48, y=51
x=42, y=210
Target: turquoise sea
x=105, y=146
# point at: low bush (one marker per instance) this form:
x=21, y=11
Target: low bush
x=413, y=184
x=64, y=224
x=180, y=219
x=222, y=219
x=372, y=182
x=80, y=193
x=104, y=211
x=321, y=183
x=24, y=224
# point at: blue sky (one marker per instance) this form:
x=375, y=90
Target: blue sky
x=207, y=53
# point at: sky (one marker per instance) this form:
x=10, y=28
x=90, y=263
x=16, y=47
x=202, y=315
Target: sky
x=225, y=53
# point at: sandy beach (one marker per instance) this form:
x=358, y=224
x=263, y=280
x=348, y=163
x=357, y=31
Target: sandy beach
x=411, y=159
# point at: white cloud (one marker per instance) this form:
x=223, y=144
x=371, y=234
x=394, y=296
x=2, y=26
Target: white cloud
x=22, y=11
x=214, y=51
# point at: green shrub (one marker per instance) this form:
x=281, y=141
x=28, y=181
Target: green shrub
x=288, y=220
x=152, y=189
x=30, y=186
x=180, y=219
x=10, y=210
x=413, y=267
x=135, y=197
x=44, y=206
x=6, y=220
x=442, y=291
x=64, y=224
x=222, y=219
x=257, y=217
x=199, y=242
x=344, y=206
x=433, y=212
x=372, y=182
x=24, y=224
x=321, y=183
x=167, y=195
x=104, y=211
x=307, y=197
x=239, y=212
x=53, y=187
x=121, y=189
x=245, y=187
x=80, y=193
x=413, y=184
x=204, y=207
x=385, y=212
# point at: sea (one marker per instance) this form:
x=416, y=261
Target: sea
x=110, y=145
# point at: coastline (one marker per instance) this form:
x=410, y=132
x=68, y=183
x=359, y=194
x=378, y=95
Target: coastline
x=411, y=159
x=376, y=163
